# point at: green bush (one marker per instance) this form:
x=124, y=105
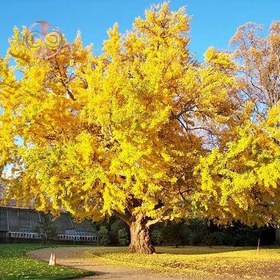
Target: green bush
x=194, y=232
x=113, y=224
x=114, y=232
x=215, y=238
x=103, y=236
x=123, y=237
x=173, y=233
x=157, y=237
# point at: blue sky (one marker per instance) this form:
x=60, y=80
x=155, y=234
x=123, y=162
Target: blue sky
x=213, y=22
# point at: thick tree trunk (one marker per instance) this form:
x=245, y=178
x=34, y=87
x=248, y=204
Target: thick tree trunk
x=140, y=240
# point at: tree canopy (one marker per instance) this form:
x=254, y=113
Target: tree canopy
x=142, y=130
x=244, y=175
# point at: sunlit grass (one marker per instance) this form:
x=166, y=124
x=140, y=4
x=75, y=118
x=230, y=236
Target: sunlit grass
x=204, y=262
x=193, y=262
x=14, y=264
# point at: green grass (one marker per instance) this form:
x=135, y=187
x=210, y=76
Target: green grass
x=15, y=265
x=200, y=262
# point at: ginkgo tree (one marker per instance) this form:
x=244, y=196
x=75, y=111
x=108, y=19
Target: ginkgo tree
x=120, y=132
x=242, y=178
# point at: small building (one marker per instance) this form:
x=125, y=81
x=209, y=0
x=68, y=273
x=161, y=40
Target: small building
x=18, y=224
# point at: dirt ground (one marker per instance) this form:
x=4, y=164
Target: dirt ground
x=75, y=257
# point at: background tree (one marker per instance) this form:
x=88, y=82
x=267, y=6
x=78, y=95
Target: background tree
x=46, y=228
x=103, y=236
x=123, y=237
x=118, y=133
x=116, y=225
x=259, y=59
x=243, y=176
x=156, y=236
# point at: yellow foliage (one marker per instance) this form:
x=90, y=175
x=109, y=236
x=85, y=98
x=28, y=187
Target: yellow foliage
x=122, y=132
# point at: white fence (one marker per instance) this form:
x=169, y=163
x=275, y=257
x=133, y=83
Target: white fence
x=62, y=237
x=28, y=235
x=83, y=238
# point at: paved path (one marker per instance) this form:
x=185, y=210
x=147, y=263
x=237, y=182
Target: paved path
x=79, y=257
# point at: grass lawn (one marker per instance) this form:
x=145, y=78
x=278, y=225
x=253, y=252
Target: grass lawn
x=14, y=265
x=200, y=262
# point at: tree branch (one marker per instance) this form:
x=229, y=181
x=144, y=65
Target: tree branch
x=155, y=221
x=126, y=217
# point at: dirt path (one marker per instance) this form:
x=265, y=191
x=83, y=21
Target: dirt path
x=77, y=257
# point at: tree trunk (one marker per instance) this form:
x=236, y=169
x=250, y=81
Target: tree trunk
x=140, y=240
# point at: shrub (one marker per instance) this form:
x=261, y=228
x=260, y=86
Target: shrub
x=215, y=238
x=103, y=236
x=157, y=237
x=115, y=227
x=123, y=237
